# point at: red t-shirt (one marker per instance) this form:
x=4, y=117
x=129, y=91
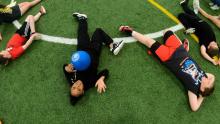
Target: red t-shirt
x=15, y=45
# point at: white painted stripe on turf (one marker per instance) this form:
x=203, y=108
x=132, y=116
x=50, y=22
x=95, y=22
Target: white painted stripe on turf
x=63, y=40
x=16, y=24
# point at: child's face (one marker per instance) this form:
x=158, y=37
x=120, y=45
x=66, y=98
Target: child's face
x=5, y=54
x=77, y=89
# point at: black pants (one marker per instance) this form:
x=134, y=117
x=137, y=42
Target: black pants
x=98, y=37
x=25, y=30
x=190, y=20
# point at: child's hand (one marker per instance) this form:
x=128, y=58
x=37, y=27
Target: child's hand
x=0, y=36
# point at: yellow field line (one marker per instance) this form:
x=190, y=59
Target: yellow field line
x=170, y=15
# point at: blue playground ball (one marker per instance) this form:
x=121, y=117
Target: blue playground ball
x=81, y=60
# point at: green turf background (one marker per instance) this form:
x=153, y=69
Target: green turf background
x=140, y=90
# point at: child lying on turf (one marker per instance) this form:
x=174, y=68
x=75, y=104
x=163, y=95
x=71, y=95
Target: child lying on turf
x=12, y=12
x=22, y=39
x=207, y=40
x=80, y=81
x=214, y=19
x=175, y=56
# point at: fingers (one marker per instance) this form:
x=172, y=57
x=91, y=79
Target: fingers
x=96, y=84
x=101, y=88
x=0, y=36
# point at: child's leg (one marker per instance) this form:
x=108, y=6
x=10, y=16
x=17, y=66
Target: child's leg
x=83, y=39
x=187, y=20
x=186, y=9
x=25, y=6
x=147, y=41
x=41, y=12
x=31, y=22
x=99, y=37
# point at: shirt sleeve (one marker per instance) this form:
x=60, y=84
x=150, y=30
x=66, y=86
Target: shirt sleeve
x=104, y=72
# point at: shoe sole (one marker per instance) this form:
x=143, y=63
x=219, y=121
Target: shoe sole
x=181, y=2
x=76, y=15
x=118, y=49
x=196, y=6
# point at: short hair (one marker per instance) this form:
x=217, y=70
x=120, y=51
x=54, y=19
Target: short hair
x=213, y=52
x=74, y=100
x=3, y=60
x=208, y=91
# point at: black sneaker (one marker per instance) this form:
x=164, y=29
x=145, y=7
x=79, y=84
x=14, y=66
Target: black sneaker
x=117, y=46
x=79, y=16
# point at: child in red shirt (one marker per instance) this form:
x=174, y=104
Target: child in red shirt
x=22, y=39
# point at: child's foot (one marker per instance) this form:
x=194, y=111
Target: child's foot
x=43, y=10
x=211, y=4
x=126, y=29
x=116, y=47
x=79, y=16
x=215, y=7
x=190, y=31
x=37, y=36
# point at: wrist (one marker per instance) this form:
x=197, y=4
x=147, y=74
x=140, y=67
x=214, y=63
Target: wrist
x=102, y=77
x=33, y=33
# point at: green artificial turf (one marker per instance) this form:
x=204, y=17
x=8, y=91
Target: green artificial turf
x=140, y=90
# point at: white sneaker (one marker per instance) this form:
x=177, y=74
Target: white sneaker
x=211, y=4
x=196, y=6
x=79, y=16
x=182, y=2
x=215, y=7
x=117, y=46
x=190, y=30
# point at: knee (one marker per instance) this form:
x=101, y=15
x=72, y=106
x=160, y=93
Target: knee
x=24, y=5
x=27, y=4
x=30, y=17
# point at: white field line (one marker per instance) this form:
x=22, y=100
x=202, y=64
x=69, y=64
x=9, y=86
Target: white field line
x=63, y=40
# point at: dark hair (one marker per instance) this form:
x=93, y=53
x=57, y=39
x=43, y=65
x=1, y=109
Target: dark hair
x=3, y=60
x=208, y=91
x=213, y=52
x=74, y=100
